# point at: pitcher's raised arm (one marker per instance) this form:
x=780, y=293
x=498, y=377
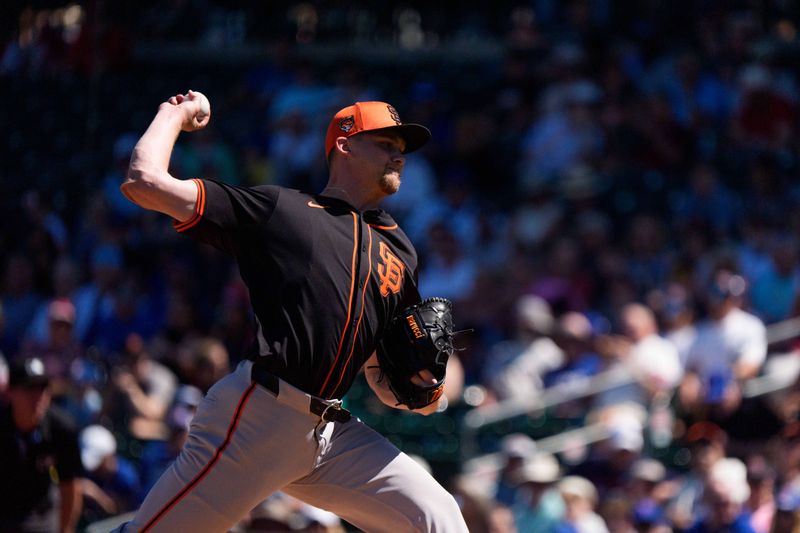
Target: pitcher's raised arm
x=148, y=182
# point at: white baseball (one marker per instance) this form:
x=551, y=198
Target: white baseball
x=205, y=106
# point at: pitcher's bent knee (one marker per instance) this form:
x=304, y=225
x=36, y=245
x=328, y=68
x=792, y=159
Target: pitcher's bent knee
x=443, y=514
x=449, y=516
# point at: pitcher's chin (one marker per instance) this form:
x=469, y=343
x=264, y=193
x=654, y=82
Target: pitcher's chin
x=390, y=182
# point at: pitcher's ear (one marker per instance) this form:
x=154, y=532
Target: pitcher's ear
x=343, y=144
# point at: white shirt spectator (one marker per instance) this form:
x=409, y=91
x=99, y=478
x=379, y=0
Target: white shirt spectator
x=521, y=377
x=683, y=338
x=737, y=338
x=654, y=363
x=656, y=359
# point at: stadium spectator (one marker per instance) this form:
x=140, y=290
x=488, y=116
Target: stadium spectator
x=707, y=446
x=516, y=367
x=515, y=449
x=158, y=454
x=146, y=389
x=775, y=291
x=451, y=271
x=112, y=483
x=677, y=314
x=610, y=461
x=65, y=279
x=540, y=506
x=764, y=117
x=648, y=359
x=726, y=493
x=788, y=490
x=649, y=490
x=761, y=478
x=36, y=440
x=574, y=336
x=730, y=347
x=202, y=362
x=93, y=301
x=581, y=499
x=61, y=349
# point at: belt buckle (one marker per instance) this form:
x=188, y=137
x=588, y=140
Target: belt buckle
x=336, y=405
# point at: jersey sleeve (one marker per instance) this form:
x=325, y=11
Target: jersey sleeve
x=224, y=211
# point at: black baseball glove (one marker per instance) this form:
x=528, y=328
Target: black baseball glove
x=419, y=338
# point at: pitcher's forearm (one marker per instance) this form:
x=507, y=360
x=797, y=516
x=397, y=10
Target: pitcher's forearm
x=154, y=149
x=148, y=182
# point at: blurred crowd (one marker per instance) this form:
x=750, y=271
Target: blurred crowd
x=615, y=192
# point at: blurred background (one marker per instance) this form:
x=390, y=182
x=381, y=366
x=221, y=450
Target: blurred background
x=610, y=198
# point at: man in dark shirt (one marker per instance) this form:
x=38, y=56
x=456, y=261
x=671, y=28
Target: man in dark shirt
x=326, y=272
x=39, y=450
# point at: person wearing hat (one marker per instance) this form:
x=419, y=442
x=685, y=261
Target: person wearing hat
x=647, y=480
x=326, y=274
x=581, y=499
x=609, y=463
x=539, y=508
x=725, y=496
x=40, y=470
x=112, y=483
x=515, y=448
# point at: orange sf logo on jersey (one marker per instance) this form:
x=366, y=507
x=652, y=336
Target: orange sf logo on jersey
x=390, y=271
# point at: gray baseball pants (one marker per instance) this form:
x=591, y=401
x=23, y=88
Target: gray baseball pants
x=245, y=443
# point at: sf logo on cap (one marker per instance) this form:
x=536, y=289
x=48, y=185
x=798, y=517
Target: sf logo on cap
x=393, y=113
x=347, y=123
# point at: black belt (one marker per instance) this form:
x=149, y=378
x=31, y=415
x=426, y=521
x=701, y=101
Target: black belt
x=327, y=410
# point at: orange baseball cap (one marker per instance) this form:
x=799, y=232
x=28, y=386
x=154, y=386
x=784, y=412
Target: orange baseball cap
x=371, y=116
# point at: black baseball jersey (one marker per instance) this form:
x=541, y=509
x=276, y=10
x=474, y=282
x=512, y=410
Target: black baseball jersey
x=324, y=278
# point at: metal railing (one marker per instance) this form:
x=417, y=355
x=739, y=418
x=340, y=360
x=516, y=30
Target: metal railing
x=550, y=397
x=483, y=416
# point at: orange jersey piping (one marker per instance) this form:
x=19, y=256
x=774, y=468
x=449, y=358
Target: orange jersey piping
x=199, y=477
x=199, y=208
x=360, y=315
x=353, y=276
x=388, y=228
